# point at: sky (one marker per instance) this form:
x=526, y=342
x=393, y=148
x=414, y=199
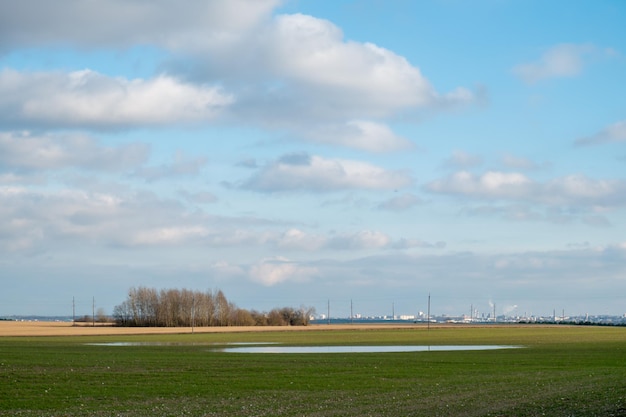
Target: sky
x=315, y=153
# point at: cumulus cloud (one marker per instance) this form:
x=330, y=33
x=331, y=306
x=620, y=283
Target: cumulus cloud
x=89, y=99
x=121, y=23
x=551, y=214
x=301, y=171
x=611, y=134
x=299, y=239
x=28, y=151
x=290, y=72
x=44, y=219
x=491, y=184
x=462, y=160
x=365, y=239
x=360, y=134
x=338, y=80
x=313, y=52
x=168, y=235
x=568, y=190
x=276, y=270
x=564, y=60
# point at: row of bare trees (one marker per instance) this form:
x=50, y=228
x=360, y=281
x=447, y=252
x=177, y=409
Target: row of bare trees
x=148, y=307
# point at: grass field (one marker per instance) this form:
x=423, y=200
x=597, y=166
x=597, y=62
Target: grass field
x=561, y=371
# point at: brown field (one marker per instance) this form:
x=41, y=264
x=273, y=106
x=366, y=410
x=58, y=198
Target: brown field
x=45, y=328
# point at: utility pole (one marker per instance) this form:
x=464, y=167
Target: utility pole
x=428, y=326
x=93, y=312
x=73, y=311
x=193, y=311
x=494, y=313
x=393, y=311
x=351, y=311
x=328, y=315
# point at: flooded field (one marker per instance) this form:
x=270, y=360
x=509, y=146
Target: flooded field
x=270, y=347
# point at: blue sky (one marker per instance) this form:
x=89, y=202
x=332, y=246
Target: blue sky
x=296, y=152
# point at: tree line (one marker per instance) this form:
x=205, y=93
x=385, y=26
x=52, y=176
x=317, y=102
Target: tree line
x=149, y=307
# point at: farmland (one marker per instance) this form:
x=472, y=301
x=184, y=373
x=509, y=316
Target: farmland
x=559, y=371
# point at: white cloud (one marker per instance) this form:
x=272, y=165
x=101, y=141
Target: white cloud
x=122, y=23
x=551, y=214
x=298, y=239
x=288, y=72
x=365, y=239
x=28, y=151
x=169, y=235
x=276, y=270
x=337, y=79
x=491, y=184
x=54, y=218
x=303, y=172
x=611, y=134
x=69, y=217
x=89, y=99
x=564, y=60
x=573, y=190
x=360, y=134
x=463, y=160
x=313, y=52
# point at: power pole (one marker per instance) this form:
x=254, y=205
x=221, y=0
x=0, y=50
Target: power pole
x=351, y=311
x=193, y=311
x=428, y=326
x=328, y=311
x=393, y=311
x=73, y=311
x=93, y=312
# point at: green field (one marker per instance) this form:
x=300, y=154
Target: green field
x=561, y=371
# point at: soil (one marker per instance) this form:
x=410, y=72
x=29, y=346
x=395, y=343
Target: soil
x=44, y=328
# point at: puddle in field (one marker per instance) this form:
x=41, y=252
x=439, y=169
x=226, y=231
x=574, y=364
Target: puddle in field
x=271, y=347
x=360, y=349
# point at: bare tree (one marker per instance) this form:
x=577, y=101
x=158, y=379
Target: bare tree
x=173, y=307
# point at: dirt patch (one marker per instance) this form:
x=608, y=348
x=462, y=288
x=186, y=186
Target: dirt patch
x=43, y=328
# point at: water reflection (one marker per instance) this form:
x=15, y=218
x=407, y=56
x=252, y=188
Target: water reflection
x=360, y=349
x=273, y=347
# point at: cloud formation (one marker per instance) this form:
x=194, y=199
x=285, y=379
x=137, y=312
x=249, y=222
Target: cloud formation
x=574, y=190
x=120, y=23
x=26, y=151
x=229, y=61
x=272, y=271
x=564, y=60
x=91, y=100
x=612, y=134
x=304, y=172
